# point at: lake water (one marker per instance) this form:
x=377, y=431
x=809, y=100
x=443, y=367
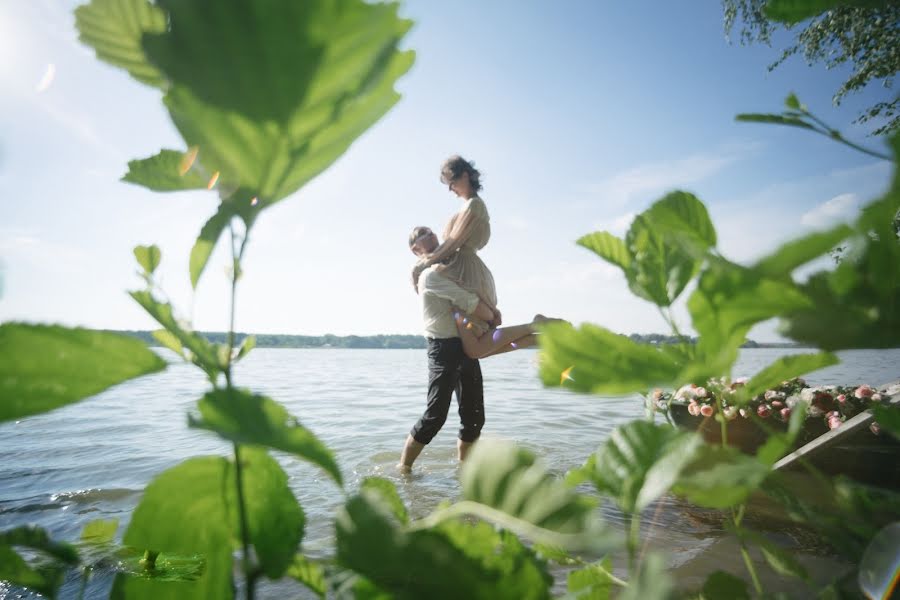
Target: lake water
x=91, y=460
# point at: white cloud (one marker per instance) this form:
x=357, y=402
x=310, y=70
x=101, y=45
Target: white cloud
x=616, y=225
x=637, y=183
x=840, y=208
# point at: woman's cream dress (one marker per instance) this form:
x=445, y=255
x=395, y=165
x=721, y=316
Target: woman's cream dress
x=468, y=232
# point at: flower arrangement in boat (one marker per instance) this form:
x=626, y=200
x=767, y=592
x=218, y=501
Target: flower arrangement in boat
x=834, y=404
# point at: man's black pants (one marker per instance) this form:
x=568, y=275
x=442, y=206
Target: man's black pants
x=449, y=370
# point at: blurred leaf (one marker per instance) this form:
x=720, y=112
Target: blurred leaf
x=720, y=477
x=608, y=247
x=245, y=418
x=452, y=560
x=169, y=340
x=247, y=345
x=793, y=103
x=661, y=267
x=796, y=253
x=555, y=553
x=888, y=418
x=728, y=301
x=163, y=173
x=778, y=558
x=43, y=367
x=591, y=582
x=114, y=29
x=682, y=215
x=508, y=478
x=209, y=235
x=15, y=570
x=148, y=257
x=640, y=461
x=777, y=119
x=203, y=353
x=274, y=517
x=601, y=361
x=100, y=531
x=389, y=494
x=29, y=536
x=725, y=586
x=785, y=368
x=277, y=108
x=653, y=582
x=794, y=11
x=309, y=573
x=777, y=444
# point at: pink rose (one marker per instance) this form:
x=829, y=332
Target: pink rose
x=785, y=413
x=875, y=428
x=764, y=411
x=834, y=422
x=842, y=398
x=694, y=409
x=863, y=391
x=706, y=410
x=700, y=392
x=777, y=403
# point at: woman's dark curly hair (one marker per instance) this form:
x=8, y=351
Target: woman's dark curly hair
x=455, y=166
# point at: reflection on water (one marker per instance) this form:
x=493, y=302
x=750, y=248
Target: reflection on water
x=91, y=460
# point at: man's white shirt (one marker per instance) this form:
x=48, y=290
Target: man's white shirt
x=439, y=294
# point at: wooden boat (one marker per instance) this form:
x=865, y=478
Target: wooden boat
x=853, y=449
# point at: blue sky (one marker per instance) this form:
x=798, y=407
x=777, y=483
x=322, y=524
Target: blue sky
x=579, y=114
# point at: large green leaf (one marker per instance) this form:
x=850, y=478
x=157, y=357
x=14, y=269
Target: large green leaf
x=451, y=560
x=272, y=93
x=608, y=247
x=203, y=353
x=100, y=531
x=274, y=517
x=164, y=172
x=798, y=252
x=592, y=582
x=508, y=478
x=794, y=11
x=43, y=367
x=683, y=218
x=639, y=463
x=389, y=495
x=115, y=28
x=240, y=416
x=309, y=573
x=785, y=368
x=594, y=359
x=720, y=477
x=661, y=267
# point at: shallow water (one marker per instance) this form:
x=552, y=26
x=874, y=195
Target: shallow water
x=91, y=460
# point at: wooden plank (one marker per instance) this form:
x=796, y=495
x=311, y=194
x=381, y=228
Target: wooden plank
x=860, y=421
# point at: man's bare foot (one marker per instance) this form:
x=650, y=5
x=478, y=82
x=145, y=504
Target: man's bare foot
x=404, y=469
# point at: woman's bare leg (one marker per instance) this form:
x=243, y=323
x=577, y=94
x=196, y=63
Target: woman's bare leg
x=528, y=341
x=492, y=341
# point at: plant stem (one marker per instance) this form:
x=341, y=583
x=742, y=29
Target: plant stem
x=634, y=537
x=834, y=134
x=85, y=575
x=751, y=569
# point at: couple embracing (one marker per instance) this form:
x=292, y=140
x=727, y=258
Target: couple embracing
x=459, y=308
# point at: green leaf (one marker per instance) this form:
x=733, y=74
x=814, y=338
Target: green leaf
x=681, y=215
x=502, y=476
x=640, y=461
x=776, y=119
x=29, y=536
x=206, y=242
x=725, y=586
x=247, y=345
x=794, y=11
x=720, y=477
x=100, y=531
x=653, y=582
x=15, y=570
x=203, y=354
x=389, y=494
x=165, y=172
x=274, y=517
x=888, y=418
x=608, y=247
x=148, y=257
x=43, y=367
x=800, y=251
x=778, y=558
x=791, y=102
x=115, y=28
x=309, y=573
x=661, y=265
x=452, y=560
x=170, y=341
x=591, y=582
x=777, y=445
x=273, y=93
x=594, y=359
x=245, y=418
x=786, y=368
x=554, y=553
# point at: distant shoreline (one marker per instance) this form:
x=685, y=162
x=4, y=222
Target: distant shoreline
x=388, y=341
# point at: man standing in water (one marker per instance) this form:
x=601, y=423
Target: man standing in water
x=449, y=369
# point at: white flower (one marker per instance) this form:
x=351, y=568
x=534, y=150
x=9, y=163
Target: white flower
x=774, y=395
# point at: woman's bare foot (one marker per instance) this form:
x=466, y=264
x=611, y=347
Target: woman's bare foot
x=539, y=318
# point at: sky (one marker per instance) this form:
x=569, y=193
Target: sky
x=580, y=114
